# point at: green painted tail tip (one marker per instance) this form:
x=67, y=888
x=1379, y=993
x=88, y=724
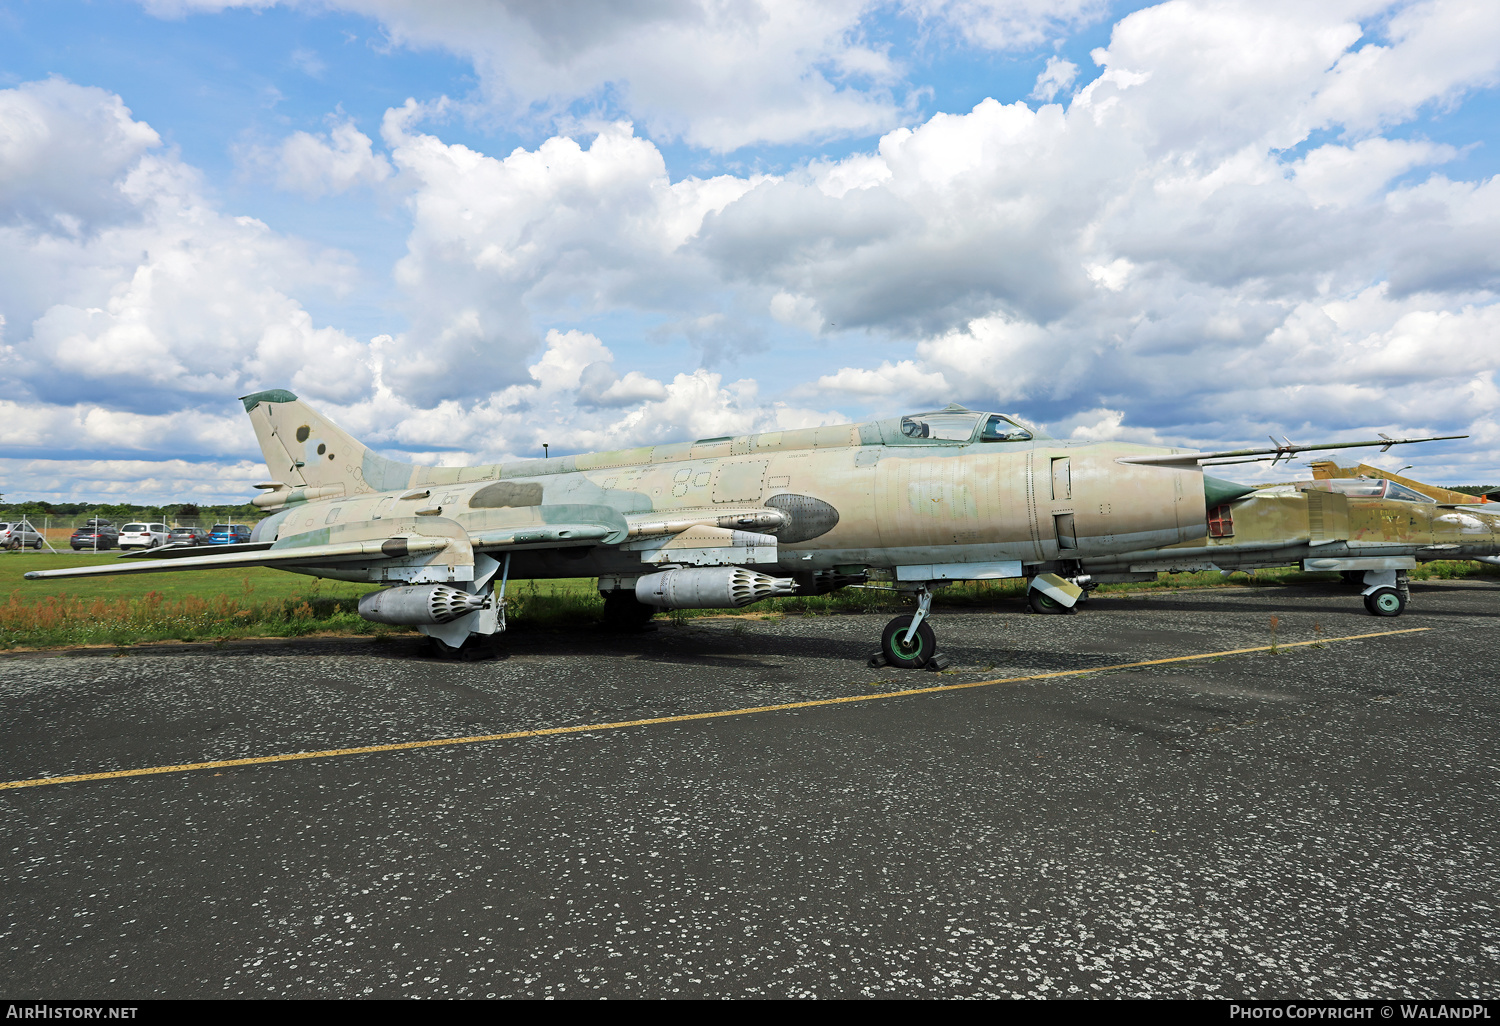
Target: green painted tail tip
x=270, y=395
x=1217, y=491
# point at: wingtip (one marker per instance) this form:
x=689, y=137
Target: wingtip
x=32, y=575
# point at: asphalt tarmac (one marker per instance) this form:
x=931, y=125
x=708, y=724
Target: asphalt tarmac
x=1317, y=822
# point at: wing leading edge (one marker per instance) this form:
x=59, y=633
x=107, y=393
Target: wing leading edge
x=302, y=555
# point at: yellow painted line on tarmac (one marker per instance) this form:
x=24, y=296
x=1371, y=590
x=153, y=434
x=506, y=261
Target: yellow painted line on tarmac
x=587, y=728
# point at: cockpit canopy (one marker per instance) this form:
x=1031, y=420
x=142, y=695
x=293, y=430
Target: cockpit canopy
x=960, y=425
x=1367, y=488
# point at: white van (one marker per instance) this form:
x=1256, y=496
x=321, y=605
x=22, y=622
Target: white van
x=144, y=536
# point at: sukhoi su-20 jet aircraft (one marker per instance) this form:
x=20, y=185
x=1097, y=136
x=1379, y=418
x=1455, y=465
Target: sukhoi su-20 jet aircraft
x=951, y=495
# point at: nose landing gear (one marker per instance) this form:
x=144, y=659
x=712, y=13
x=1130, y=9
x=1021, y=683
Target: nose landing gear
x=908, y=641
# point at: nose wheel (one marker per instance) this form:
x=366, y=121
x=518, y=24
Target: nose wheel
x=908, y=641
x=906, y=648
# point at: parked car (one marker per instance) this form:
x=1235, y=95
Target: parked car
x=96, y=534
x=144, y=536
x=18, y=534
x=189, y=536
x=229, y=534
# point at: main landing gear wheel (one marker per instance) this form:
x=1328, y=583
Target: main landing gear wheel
x=1385, y=602
x=912, y=655
x=624, y=612
x=476, y=648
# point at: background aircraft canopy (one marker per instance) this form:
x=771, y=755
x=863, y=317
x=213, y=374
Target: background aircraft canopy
x=1367, y=488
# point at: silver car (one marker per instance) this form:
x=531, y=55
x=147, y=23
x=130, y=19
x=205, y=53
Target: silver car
x=19, y=534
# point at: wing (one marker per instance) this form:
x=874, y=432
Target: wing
x=263, y=555
x=698, y=536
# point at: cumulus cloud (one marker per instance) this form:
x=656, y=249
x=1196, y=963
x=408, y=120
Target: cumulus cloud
x=718, y=74
x=1103, y=425
x=562, y=226
x=1009, y=24
x=573, y=399
x=316, y=165
x=135, y=309
x=903, y=378
x=1058, y=76
x=66, y=154
x=125, y=283
x=1213, y=238
x=141, y=482
x=1154, y=244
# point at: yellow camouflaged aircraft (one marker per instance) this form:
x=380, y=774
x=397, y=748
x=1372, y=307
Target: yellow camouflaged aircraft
x=1366, y=523
x=932, y=498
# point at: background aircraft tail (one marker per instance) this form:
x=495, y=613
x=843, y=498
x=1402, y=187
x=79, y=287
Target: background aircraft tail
x=308, y=452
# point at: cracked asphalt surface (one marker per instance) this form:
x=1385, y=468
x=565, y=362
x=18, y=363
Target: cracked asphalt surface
x=1319, y=822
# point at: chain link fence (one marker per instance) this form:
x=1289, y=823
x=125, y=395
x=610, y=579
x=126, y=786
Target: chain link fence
x=57, y=532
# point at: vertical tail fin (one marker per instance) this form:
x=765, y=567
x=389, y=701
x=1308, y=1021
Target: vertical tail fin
x=307, y=452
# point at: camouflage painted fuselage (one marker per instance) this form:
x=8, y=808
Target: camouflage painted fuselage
x=856, y=496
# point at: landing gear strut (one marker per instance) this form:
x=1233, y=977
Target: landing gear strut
x=471, y=636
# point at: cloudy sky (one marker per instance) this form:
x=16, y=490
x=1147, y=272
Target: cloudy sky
x=469, y=227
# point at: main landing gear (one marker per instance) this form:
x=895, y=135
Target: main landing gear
x=1054, y=595
x=625, y=613
x=1386, y=592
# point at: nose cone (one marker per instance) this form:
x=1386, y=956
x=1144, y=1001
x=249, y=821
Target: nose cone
x=1217, y=491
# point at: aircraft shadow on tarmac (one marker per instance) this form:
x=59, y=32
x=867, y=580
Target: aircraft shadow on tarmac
x=1331, y=598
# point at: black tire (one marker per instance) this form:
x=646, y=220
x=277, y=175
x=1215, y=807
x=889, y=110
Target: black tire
x=908, y=657
x=624, y=612
x=1041, y=603
x=437, y=648
x=1385, y=602
x=37, y=545
x=476, y=648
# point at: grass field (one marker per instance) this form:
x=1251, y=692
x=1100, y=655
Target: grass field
x=199, y=605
